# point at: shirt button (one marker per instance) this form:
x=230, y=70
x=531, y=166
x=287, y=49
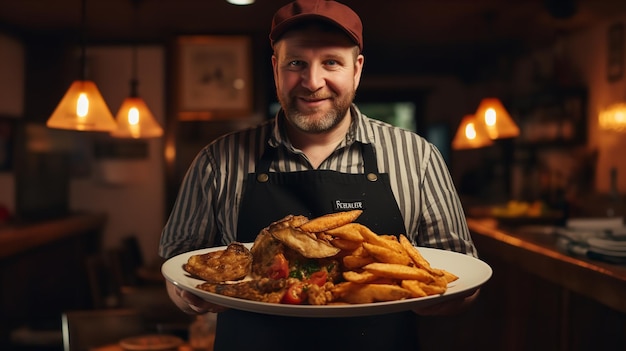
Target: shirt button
x=372, y=177
x=262, y=178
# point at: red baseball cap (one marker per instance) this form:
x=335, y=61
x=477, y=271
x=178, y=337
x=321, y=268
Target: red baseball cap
x=327, y=10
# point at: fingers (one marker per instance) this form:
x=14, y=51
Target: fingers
x=197, y=304
x=450, y=307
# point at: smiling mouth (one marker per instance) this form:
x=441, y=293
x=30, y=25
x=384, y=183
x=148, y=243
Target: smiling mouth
x=314, y=99
x=311, y=100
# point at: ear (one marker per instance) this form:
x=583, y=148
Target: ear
x=275, y=69
x=358, y=69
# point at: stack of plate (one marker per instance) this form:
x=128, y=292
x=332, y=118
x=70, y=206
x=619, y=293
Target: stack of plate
x=600, y=224
x=597, y=238
x=607, y=249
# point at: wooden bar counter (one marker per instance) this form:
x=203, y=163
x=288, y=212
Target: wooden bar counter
x=16, y=239
x=538, y=253
x=538, y=298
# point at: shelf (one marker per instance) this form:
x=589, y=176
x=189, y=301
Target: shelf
x=552, y=118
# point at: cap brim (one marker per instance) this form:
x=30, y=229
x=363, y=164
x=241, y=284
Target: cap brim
x=281, y=28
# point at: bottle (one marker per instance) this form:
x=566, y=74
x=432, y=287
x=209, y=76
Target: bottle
x=202, y=332
x=615, y=208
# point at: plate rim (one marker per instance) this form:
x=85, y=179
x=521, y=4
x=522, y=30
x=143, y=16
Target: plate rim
x=607, y=244
x=322, y=311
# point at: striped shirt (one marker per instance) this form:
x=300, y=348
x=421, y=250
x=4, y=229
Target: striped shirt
x=211, y=191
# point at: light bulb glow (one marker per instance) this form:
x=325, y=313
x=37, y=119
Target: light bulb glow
x=470, y=131
x=133, y=116
x=82, y=105
x=490, y=117
x=613, y=118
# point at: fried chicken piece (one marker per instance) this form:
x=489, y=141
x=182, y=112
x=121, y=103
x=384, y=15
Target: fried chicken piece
x=264, y=250
x=233, y=263
x=262, y=290
x=269, y=290
x=307, y=244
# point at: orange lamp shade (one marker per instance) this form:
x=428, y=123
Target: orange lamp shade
x=82, y=108
x=497, y=120
x=471, y=134
x=135, y=120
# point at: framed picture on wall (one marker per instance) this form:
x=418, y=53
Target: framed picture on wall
x=214, y=79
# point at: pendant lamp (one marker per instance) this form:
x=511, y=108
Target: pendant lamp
x=134, y=118
x=471, y=134
x=82, y=107
x=497, y=120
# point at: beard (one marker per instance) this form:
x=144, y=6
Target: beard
x=316, y=120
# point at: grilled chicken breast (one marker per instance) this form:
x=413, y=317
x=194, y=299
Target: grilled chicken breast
x=234, y=263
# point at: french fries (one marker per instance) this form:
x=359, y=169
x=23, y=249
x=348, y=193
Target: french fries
x=349, y=231
x=367, y=293
x=398, y=271
x=385, y=255
x=345, y=245
x=330, y=221
x=376, y=267
x=352, y=262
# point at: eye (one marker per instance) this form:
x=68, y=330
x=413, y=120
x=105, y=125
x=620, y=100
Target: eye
x=295, y=63
x=333, y=64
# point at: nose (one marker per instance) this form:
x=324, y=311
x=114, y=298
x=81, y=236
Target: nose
x=313, y=78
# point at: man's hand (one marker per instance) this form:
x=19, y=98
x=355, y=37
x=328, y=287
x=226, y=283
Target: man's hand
x=450, y=307
x=190, y=303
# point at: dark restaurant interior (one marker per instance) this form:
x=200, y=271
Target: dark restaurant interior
x=81, y=212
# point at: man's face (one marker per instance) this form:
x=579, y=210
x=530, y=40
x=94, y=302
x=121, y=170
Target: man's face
x=316, y=75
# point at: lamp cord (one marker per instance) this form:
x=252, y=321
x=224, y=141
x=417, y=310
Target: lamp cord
x=83, y=40
x=134, y=69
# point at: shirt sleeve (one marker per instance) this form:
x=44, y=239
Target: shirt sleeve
x=190, y=224
x=442, y=224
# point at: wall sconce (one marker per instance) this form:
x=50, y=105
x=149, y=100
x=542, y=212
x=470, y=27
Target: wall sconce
x=497, y=120
x=471, y=134
x=82, y=107
x=613, y=118
x=134, y=118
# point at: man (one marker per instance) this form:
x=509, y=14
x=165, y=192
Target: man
x=318, y=155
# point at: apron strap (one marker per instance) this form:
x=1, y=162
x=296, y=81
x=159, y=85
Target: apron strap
x=370, y=165
x=263, y=165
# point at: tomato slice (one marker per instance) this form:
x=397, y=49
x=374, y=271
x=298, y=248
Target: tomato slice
x=318, y=278
x=279, y=268
x=295, y=294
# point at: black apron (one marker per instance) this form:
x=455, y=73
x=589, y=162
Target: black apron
x=271, y=196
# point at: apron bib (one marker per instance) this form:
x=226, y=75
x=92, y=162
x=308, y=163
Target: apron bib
x=272, y=196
